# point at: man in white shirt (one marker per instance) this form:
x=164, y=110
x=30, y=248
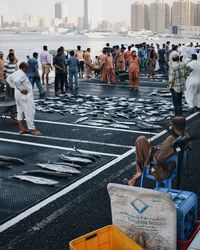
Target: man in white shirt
x=24, y=98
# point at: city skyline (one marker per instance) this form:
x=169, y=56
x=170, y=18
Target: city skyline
x=111, y=9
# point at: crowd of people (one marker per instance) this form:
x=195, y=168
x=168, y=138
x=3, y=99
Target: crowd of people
x=180, y=62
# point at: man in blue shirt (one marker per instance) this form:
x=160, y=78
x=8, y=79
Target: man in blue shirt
x=33, y=74
x=73, y=63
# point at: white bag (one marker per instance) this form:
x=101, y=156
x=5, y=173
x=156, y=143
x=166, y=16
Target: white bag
x=147, y=216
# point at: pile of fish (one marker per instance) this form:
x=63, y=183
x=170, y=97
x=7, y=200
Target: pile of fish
x=71, y=164
x=111, y=111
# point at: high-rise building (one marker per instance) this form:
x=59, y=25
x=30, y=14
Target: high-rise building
x=198, y=14
x=139, y=16
x=184, y=13
x=92, y=14
x=159, y=16
x=86, y=17
x=58, y=10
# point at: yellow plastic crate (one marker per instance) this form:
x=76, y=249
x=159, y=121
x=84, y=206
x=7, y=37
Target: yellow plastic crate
x=106, y=238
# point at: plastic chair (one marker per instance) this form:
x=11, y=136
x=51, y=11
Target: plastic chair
x=168, y=181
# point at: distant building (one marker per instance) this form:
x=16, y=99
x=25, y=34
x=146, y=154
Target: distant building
x=86, y=17
x=187, y=31
x=159, y=15
x=198, y=13
x=58, y=10
x=184, y=13
x=139, y=16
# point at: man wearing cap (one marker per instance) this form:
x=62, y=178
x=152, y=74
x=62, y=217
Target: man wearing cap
x=2, y=81
x=177, y=81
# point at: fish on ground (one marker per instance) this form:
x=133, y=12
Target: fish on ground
x=81, y=119
x=59, y=168
x=47, y=173
x=83, y=153
x=85, y=156
x=147, y=126
x=66, y=164
x=72, y=159
x=11, y=159
x=114, y=125
x=36, y=180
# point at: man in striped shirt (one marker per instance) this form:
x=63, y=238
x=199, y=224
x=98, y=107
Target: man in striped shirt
x=9, y=67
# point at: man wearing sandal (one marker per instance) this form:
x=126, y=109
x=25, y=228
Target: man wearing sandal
x=24, y=99
x=145, y=152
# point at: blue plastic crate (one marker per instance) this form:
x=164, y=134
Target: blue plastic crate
x=186, y=207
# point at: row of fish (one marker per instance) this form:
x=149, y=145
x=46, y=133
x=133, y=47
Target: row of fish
x=71, y=164
x=111, y=111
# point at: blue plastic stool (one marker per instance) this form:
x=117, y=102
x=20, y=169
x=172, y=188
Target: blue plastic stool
x=168, y=181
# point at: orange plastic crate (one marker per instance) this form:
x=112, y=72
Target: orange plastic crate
x=106, y=238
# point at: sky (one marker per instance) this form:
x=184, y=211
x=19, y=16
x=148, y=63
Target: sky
x=117, y=10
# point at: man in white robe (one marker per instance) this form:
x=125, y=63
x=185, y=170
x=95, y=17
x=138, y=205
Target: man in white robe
x=24, y=98
x=192, y=93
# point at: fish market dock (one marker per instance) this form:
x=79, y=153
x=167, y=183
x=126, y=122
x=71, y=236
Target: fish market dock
x=48, y=217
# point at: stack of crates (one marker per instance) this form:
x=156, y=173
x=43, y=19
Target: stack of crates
x=186, y=207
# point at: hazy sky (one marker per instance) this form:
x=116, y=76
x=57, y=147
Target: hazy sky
x=112, y=9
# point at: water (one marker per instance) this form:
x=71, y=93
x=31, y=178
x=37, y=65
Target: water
x=26, y=43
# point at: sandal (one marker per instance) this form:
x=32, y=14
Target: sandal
x=22, y=131
x=36, y=132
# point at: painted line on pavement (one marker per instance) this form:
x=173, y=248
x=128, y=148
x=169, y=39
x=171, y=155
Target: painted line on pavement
x=66, y=139
x=54, y=147
x=88, y=126
x=76, y=184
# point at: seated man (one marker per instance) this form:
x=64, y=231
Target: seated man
x=145, y=152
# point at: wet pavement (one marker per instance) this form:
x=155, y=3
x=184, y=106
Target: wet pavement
x=84, y=204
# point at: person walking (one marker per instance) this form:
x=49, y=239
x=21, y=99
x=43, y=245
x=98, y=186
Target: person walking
x=134, y=71
x=87, y=61
x=102, y=60
x=45, y=60
x=33, y=74
x=73, y=64
x=24, y=98
x=110, y=68
x=152, y=62
x=10, y=67
x=177, y=81
x=80, y=56
x=192, y=93
x=59, y=65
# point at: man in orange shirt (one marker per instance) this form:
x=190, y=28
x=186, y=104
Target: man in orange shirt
x=110, y=68
x=102, y=60
x=87, y=61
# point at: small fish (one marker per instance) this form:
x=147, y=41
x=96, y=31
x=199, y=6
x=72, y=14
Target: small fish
x=119, y=126
x=85, y=156
x=59, y=168
x=77, y=160
x=126, y=123
x=147, y=126
x=91, y=123
x=165, y=95
x=83, y=153
x=11, y=159
x=36, y=180
x=81, y=119
x=45, y=172
x=100, y=121
x=66, y=164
